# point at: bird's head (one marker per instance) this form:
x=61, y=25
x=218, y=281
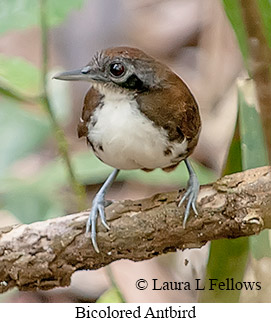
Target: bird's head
x=121, y=69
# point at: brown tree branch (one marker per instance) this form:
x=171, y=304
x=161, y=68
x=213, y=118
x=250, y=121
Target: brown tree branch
x=44, y=255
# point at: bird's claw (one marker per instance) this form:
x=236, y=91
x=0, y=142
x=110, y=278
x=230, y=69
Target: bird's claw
x=191, y=195
x=97, y=209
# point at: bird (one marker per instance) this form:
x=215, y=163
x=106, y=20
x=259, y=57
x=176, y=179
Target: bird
x=137, y=114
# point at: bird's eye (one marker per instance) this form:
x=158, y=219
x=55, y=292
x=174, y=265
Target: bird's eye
x=117, y=69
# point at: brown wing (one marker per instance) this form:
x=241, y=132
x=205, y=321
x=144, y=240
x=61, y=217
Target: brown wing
x=174, y=109
x=92, y=100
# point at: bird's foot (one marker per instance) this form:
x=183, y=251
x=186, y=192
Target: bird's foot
x=191, y=195
x=97, y=209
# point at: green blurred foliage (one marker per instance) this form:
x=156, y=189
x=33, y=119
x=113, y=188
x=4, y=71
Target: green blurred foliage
x=265, y=9
x=233, y=11
x=30, y=202
x=229, y=258
x=90, y=170
x=21, y=14
x=20, y=75
x=254, y=152
x=24, y=133
x=21, y=132
x=234, y=160
x=111, y=295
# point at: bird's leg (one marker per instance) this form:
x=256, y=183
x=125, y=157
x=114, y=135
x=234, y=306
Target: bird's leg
x=98, y=205
x=191, y=193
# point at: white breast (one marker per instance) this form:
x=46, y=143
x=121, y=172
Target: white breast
x=125, y=139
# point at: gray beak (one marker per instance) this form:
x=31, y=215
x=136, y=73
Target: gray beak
x=83, y=74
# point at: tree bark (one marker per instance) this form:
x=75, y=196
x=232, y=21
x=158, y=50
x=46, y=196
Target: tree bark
x=44, y=255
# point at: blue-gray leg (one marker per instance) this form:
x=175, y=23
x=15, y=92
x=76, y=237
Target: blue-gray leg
x=98, y=205
x=191, y=193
